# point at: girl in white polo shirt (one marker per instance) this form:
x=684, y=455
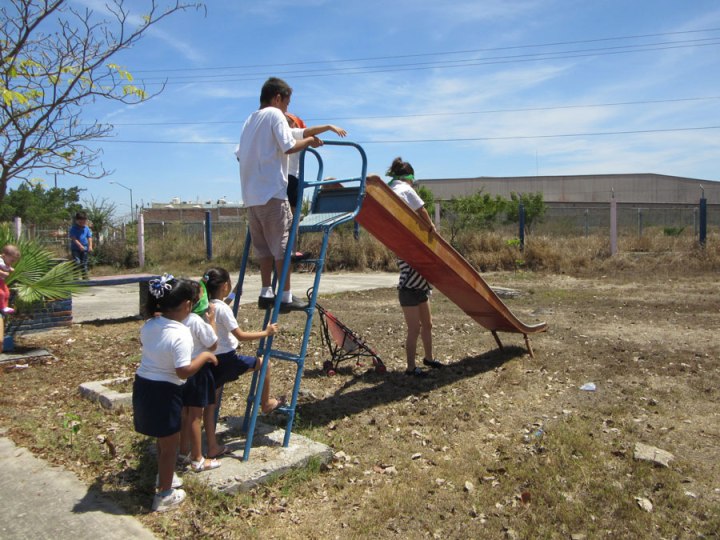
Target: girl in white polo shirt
x=231, y=364
x=166, y=362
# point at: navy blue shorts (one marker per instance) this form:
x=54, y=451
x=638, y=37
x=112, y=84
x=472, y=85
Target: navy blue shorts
x=412, y=297
x=230, y=366
x=157, y=407
x=292, y=189
x=199, y=390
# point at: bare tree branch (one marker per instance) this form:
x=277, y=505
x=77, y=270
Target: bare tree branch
x=54, y=60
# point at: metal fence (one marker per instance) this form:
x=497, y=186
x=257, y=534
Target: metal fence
x=193, y=231
x=229, y=236
x=54, y=238
x=587, y=221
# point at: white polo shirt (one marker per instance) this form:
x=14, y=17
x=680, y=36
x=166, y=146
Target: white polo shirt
x=266, y=136
x=202, y=333
x=166, y=346
x=225, y=323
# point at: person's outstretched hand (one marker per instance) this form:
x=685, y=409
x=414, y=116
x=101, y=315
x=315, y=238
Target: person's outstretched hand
x=340, y=131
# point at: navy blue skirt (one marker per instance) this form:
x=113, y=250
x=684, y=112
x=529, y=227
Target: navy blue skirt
x=230, y=366
x=199, y=390
x=157, y=407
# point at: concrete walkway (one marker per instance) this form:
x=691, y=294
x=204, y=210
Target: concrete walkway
x=42, y=501
x=121, y=301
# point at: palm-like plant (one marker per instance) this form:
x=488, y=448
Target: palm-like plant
x=37, y=276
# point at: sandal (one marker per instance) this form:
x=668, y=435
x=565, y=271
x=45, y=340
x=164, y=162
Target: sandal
x=417, y=372
x=300, y=256
x=224, y=451
x=433, y=363
x=204, y=465
x=281, y=401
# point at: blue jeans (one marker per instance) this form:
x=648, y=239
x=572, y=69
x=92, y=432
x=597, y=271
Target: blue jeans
x=81, y=259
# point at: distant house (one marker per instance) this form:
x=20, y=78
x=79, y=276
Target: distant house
x=177, y=211
x=646, y=189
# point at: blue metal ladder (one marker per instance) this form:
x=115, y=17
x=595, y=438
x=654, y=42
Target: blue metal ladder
x=332, y=205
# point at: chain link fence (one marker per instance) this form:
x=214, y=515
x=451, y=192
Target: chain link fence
x=185, y=240
x=586, y=221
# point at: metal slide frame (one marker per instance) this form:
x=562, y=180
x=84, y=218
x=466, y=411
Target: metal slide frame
x=329, y=209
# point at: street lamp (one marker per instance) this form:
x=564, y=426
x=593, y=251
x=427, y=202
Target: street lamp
x=132, y=216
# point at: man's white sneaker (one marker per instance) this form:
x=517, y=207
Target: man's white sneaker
x=163, y=504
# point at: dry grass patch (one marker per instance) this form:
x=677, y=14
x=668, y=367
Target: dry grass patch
x=496, y=445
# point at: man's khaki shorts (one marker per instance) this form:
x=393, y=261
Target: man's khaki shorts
x=270, y=228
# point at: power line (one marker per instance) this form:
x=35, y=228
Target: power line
x=554, y=136
x=420, y=55
x=462, y=139
x=363, y=70
x=454, y=113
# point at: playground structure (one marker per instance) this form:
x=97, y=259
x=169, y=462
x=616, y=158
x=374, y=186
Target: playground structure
x=327, y=211
x=399, y=228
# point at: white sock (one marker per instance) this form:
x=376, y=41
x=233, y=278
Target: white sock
x=287, y=297
x=267, y=292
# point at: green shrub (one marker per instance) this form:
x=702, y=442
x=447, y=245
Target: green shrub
x=673, y=231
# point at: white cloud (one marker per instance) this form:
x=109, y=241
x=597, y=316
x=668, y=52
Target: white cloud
x=135, y=20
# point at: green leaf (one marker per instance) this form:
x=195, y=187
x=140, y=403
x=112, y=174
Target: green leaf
x=134, y=90
x=9, y=96
x=37, y=277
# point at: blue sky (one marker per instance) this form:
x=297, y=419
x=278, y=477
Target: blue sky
x=460, y=89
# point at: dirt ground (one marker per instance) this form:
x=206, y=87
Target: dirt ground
x=495, y=445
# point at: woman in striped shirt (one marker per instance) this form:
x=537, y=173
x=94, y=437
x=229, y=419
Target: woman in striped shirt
x=413, y=289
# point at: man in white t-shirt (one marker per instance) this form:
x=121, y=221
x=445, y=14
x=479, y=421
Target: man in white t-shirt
x=265, y=144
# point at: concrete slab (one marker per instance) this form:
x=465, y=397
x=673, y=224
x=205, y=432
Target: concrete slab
x=22, y=358
x=268, y=458
x=104, y=393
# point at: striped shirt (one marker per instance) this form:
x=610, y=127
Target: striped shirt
x=410, y=279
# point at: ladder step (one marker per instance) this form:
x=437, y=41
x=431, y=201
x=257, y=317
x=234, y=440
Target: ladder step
x=282, y=355
x=285, y=409
x=307, y=310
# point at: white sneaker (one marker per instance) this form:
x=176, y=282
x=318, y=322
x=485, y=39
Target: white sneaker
x=163, y=504
x=176, y=481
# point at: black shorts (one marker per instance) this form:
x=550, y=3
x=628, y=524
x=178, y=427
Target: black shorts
x=412, y=297
x=230, y=366
x=157, y=407
x=199, y=390
x=292, y=190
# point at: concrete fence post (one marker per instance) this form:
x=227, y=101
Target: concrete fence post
x=17, y=227
x=141, y=239
x=703, y=217
x=613, y=224
x=521, y=232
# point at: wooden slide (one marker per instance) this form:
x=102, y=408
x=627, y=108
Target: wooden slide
x=398, y=227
